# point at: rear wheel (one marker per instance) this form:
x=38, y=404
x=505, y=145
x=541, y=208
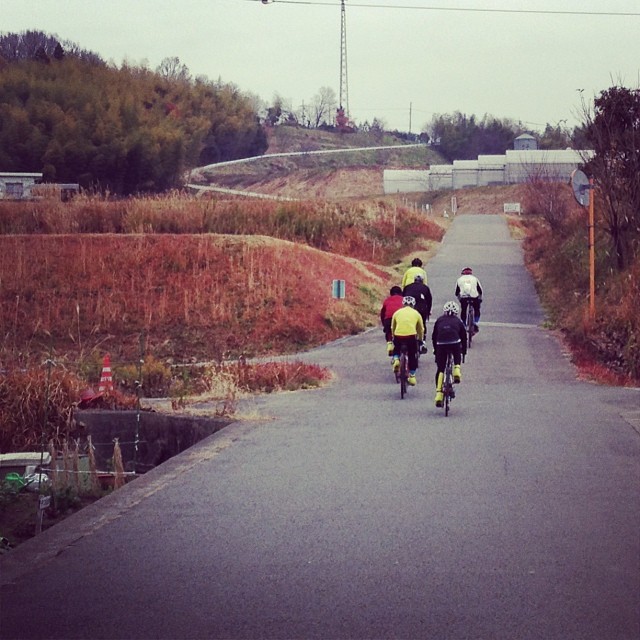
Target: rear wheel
x=448, y=384
x=470, y=322
x=404, y=373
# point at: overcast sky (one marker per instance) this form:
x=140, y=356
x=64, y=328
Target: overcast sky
x=407, y=59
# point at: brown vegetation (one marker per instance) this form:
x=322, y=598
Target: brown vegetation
x=556, y=247
x=177, y=280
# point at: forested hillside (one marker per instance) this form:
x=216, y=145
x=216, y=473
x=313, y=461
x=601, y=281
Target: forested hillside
x=120, y=130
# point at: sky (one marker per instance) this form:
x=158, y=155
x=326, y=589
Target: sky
x=534, y=61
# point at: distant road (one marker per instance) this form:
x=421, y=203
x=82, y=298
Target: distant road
x=350, y=513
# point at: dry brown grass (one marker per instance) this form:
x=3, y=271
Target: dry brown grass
x=607, y=348
x=203, y=297
x=264, y=287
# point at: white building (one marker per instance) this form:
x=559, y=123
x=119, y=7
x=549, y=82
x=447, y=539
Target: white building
x=515, y=166
x=555, y=166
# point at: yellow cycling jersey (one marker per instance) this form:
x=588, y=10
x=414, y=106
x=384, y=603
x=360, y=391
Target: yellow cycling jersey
x=407, y=322
x=410, y=275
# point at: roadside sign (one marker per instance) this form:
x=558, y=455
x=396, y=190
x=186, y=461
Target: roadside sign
x=511, y=207
x=580, y=186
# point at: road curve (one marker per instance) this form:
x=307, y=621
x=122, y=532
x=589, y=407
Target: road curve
x=346, y=512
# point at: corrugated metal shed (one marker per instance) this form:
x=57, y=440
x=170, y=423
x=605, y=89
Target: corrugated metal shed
x=401, y=181
x=538, y=164
x=491, y=169
x=440, y=177
x=465, y=173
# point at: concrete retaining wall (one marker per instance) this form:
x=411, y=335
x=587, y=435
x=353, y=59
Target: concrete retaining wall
x=160, y=436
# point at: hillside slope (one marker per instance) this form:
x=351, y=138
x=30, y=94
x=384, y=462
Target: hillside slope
x=193, y=296
x=328, y=175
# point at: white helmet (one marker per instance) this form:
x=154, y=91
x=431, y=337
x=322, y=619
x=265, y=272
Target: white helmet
x=409, y=301
x=451, y=308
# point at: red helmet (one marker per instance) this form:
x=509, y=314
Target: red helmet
x=467, y=271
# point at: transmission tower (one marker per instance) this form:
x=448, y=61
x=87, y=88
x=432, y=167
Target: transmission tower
x=342, y=117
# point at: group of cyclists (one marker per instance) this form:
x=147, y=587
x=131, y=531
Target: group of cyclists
x=404, y=315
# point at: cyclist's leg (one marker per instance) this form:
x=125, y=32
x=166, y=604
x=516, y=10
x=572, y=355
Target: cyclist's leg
x=423, y=346
x=412, y=352
x=395, y=361
x=476, y=312
x=386, y=328
x=410, y=345
x=441, y=362
x=464, y=302
x=456, y=349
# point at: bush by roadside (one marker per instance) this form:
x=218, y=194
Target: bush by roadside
x=556, y=247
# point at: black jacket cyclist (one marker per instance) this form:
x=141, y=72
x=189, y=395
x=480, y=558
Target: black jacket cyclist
x=449, y=336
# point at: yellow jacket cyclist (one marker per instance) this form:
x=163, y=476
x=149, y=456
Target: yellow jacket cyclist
x=414, y=270
x=407, y=328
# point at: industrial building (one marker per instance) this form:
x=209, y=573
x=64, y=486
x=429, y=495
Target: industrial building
x=515, y=166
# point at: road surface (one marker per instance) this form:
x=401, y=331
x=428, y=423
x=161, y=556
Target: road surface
x=346, y=512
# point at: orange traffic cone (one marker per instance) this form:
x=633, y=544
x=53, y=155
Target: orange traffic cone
x=106, y=381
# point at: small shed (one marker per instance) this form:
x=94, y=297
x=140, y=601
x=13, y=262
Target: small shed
x=18, y=186
x=525, y=142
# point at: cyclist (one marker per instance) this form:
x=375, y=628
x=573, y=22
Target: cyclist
x=422, y=294
x=391, y=304
x=414, y=270
x=407, y=328
x=449, y=336
x=469, y=290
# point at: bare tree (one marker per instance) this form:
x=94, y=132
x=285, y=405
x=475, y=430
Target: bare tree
x=173, y=69
x=323, y=106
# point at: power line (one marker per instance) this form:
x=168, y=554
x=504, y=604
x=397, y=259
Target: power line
x=459, y=9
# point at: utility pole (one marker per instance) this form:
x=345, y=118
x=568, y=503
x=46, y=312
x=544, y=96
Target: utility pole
x=344, y=80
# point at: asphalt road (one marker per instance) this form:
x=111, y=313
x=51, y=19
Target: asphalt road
x=350, y=513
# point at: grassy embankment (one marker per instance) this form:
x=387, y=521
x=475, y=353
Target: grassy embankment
x=197, y=280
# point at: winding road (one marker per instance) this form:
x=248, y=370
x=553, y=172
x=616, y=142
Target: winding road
x=345, y=512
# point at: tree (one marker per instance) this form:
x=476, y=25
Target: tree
x=554, y=137
x=274, y=112
x=462, y=137
x=41, y=56
x=173, y=69
x=124, y=130
x=323, y=106
x=613, y=129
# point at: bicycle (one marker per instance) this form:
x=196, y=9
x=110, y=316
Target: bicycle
x=402, y=375
x=447, y=384
x=469, y=322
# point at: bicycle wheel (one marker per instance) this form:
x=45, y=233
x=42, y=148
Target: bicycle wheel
x=404, y=373
x=448, y=384
x=470, y=321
